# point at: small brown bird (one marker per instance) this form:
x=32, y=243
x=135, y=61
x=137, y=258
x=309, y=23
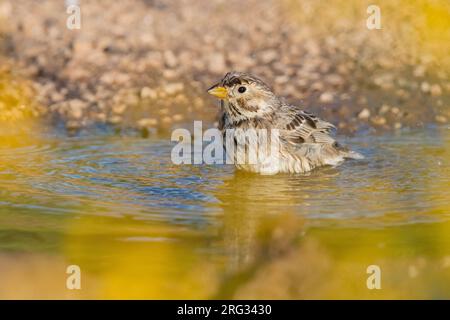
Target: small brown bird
x=305, y=141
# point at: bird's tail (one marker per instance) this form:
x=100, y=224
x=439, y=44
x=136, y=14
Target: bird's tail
x=346, y=153
x=352, y=155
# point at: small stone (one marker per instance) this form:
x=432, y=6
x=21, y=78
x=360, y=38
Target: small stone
x=216, y=63
x=172, y=88
x=395, y=110
x=163, y=111
x=115, y=120
x=344, y=111
x=170, y=74
x=181, y=99
x=441, y=119
x=317, y=86
x=76, y=107
x=435, y=90
x=155, y=59
x=402, y=94
x=326, y=97
x=57, y=96
x=384, y=108
x=177, y=117
x=170, y=59
x=148, y=93
x=101, y=117
x=119, y=109
x=334, y=79
x=147, y=123
x=282, y=80
x=161, y=93
x=379, y=121
x=364, y=114
x=425, y=87
x=131, y=98
x=198, y=103
x=302, y=83
x=419, y=71
x=362, y=100
x=166, y=120
x=268, y=56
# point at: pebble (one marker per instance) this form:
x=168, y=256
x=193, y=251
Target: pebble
x=345, y=111
x=334, y=79
x=317, y=86
x=364, y=114
x=120, y=108
x=435, y=90
x=326, y=97
x=166, y=120
x=395, y=110
x=268, y=56
x=178, y=117
x=147, y=93
x=378, y=120
x=170, y=74
x=419, y=71
x=198, y=103
x=441, y=119
x=216, y=63
x=115, y=119
x=57, y=96
x=76, y=107
x=425, y=87
x=100, y=117
x=384, y=109
x=402, y=94
x=147, y=123
x=170, y=59
x=103, y=72
x=163, y=111
x=173, y=88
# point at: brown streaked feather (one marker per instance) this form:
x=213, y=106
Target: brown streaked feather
x=299, y=126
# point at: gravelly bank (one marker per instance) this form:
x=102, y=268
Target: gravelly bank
x=146, y=64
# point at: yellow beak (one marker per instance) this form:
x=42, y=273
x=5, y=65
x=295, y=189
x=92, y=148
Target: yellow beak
x=219, y=92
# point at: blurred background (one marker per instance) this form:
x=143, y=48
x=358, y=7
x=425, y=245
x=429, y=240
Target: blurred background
x=85, y=170
x=146, y=64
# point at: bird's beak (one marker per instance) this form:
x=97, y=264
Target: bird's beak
x=218, y=92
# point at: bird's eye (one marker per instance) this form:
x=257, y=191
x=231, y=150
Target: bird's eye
x=242, y=89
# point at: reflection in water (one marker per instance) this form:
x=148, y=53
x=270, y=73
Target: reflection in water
x=140, y=227
x=249, y=209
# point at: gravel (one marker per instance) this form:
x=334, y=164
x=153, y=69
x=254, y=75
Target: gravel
x=147, y=64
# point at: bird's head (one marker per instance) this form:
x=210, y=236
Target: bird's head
x=244, y=96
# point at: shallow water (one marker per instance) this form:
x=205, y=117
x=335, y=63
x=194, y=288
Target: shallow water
x=140, y=227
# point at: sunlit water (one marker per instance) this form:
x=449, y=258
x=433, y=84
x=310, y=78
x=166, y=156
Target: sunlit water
x=142, y=227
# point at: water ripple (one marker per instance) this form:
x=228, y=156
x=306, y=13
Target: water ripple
x=405, y=177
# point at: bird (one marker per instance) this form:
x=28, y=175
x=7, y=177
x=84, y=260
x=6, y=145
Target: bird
x=304, y=142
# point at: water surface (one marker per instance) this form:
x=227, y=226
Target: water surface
x=142, y=227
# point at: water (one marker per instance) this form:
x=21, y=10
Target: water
x=140, y=227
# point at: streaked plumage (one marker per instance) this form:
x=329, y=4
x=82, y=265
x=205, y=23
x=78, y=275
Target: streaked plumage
x=306, y=142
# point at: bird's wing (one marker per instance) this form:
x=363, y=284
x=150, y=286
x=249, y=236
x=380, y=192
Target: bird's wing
x=298, y=126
